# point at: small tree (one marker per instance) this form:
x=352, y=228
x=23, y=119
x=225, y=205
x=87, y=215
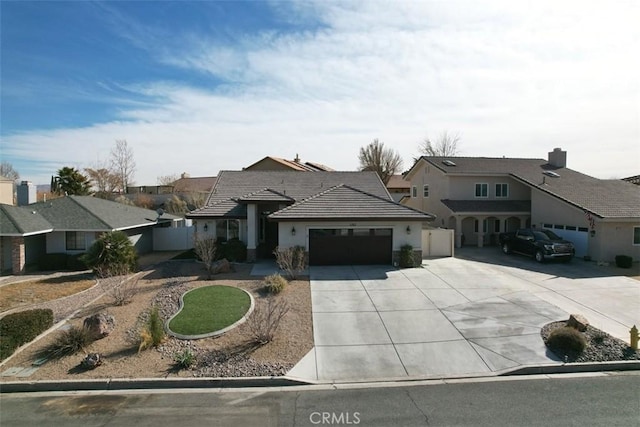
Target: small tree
x=123, y=164
x=111, y=255
x=291, y=260
x=445, y=146
x=175, y=205
x=7, y=170
x=205, y=249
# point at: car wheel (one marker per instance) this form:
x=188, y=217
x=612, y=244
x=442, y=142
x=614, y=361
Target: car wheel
x=505, y=248
x=539, y=256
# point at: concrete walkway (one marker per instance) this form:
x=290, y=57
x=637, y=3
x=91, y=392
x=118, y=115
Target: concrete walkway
x=453, y=317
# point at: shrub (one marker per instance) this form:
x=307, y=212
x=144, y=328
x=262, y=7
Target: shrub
x=111, y=255
x=265, y=319
x=153, y=333
x=122, y=290
x=184, y=359
x=291, y=260
x=69, y=342
x=566, y=341
x=205, y=249
x=406, y=257
x=75, y=263
x=275, y=283
x=233, y=250
x=52, y=262
x=624, y=261
x=22, y=327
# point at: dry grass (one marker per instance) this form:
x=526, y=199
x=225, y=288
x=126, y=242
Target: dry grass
x=34, y=292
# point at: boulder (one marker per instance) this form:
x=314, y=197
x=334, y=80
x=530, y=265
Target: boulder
x=222, y=266
x=100, y=325
x=91, y=361
x=578, y=321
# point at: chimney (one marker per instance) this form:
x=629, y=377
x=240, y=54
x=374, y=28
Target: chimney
x=185, y=175
x=297, y=159
x=558, y=158
x=27, y=193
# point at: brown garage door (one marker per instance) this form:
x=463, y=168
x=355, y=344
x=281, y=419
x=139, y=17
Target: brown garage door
x=340, y=246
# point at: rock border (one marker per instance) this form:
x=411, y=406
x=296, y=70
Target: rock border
x=209, y=334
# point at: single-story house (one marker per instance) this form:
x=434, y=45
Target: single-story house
x=70, y=225
x=338, y=217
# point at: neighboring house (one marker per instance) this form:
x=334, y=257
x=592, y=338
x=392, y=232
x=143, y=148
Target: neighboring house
x=193, y=190
x=481, y=197
x=6, y=190
x=633, y=179
x=398, y=187
x=70, y=225
x=150, y=189
x=338, y=217
x=277, y=164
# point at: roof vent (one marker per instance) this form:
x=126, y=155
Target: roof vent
x=551, y=174
x=448, y=163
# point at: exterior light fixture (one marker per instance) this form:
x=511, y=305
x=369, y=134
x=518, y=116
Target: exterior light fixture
x=408, y=229
x=206, y=227
x=293, y=231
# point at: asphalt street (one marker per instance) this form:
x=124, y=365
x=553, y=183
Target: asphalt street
x=599, y=399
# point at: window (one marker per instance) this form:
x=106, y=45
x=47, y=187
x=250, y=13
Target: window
x=425, y=190
x=75, y=241
x=227, y=229
x=502, y=190
x=636, y=235
x=414, y=191
x=482, y=190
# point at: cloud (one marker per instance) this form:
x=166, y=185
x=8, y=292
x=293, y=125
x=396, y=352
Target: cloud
x=514, y=79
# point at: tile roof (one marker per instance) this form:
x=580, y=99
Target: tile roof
x=265, y=195
x=496, y=206
x=397, y=182
x=86, y=213
x=22, y=221
x=633, y=179
x=295, y=165
x=343, y=202
x=604, y=198
x=297, y=186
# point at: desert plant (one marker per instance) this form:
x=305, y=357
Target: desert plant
x=292, y=260
x=153, y=333
x=112, y=254
x=407, y=259
x=121, y=290
x=233, y=250
x=624, y=261
x=566, y=341
x=205, y=249
x=275, y=283
x=69, y=342
x=22, y=327
x=265, y=319
x=184, y=359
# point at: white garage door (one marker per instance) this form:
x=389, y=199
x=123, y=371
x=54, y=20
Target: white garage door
x=580, y=239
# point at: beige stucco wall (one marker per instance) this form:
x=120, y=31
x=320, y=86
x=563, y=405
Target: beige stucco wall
x=6, y=192
x=614, y=238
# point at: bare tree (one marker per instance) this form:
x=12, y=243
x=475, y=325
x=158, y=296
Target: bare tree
x=385, y=161
x=445, y=146
x=167, y=179
x=265, y=319
x=104, y=180
x=123, y=163
x=291, y=260
x=7, y=170
x=205, y=249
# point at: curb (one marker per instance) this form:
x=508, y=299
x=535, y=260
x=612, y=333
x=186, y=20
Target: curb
x=565, y=368
x=145, y=384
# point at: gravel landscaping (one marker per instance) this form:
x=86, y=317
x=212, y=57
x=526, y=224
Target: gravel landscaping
x=601, y=347
x=230, y=355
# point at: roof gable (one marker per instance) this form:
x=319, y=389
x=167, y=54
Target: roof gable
x=344, y=202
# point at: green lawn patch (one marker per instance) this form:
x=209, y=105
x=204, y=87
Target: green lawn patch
x=210, y=309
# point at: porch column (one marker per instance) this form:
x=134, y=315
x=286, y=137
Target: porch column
x=18, y=258
x=458, y=232
x=481, y=233
x=523, y=221
x=252, y=231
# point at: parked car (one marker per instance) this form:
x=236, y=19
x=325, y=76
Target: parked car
x=540, y=244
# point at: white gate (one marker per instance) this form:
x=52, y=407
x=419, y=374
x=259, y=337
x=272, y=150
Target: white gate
x=437, y=242
x=173, y=239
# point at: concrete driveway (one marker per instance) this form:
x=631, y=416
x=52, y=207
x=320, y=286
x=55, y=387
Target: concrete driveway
x=453, y=317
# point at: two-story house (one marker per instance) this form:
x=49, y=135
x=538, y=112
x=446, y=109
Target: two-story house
x=482, y=197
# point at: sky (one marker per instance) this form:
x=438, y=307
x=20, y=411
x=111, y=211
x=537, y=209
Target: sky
x=200, y=87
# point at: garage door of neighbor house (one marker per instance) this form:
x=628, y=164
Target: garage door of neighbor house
x=343, y=246
x=579, y=236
